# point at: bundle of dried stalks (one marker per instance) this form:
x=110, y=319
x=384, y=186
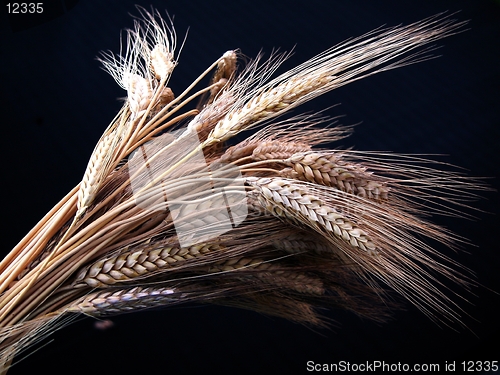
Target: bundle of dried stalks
x=275, y=223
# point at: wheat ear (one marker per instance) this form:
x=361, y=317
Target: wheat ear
x=345, y=63
x=275, y=275
x=329, y=169
x=289, y=198
x=131, y=265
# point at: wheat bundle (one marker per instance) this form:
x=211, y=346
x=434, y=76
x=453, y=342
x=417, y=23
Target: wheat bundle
x=168, y=212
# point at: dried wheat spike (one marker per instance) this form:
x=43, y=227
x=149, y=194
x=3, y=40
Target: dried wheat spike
x=94, y=175
x=272, y=273
x=114, y=301
x=147, y=63
x=275, y=149
x=336, y=67
x=162, y=62
x=239, y=151
x=266, y=104
x=289, y=198
x=123, y=300
x=329, y=169
x=210, y=115
x=136, y=263
x=226, y=69
x=166, y=96
x=303, y=242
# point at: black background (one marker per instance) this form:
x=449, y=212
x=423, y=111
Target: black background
x=56, y=101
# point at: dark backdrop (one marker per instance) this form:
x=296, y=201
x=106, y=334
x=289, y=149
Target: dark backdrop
x=56, y=101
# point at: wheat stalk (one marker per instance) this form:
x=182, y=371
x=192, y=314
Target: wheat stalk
x=271, y=224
